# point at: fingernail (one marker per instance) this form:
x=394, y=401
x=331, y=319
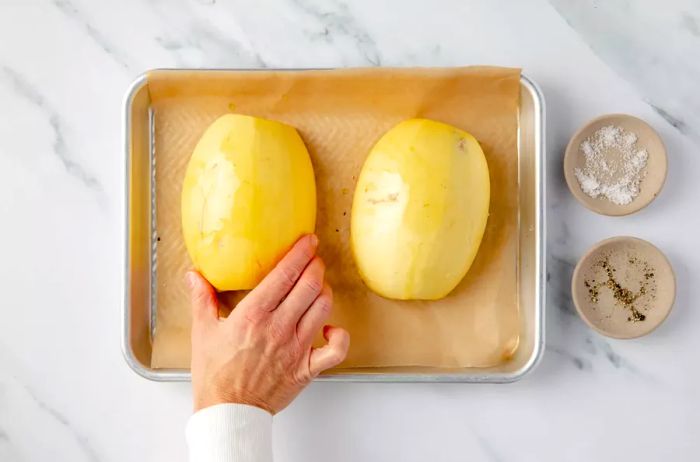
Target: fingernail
x=313, y=240
x=189, y=279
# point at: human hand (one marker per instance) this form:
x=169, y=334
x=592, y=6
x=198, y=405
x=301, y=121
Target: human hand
x=261, y=354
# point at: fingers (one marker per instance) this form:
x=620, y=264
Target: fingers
x=331, y=354
x=276, y=285
x=313, y=319
x=205, y=305
x=302, y=295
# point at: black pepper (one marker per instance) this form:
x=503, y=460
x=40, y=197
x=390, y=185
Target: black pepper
x=635, y=302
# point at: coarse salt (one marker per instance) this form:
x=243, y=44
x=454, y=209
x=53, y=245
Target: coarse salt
x=614, y=165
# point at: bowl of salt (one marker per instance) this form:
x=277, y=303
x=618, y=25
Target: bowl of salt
x=615, y=164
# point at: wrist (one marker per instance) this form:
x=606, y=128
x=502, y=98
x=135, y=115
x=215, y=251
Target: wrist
x=204, y=401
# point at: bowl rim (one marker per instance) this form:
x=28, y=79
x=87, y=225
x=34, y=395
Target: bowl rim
x=579, y=268
x=575, y=188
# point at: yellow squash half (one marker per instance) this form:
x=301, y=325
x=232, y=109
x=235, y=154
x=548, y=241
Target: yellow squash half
x=248, y=195
x=420, y=210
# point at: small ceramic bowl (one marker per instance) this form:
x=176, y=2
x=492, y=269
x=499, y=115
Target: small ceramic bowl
x=623, y=287
x=653, y=175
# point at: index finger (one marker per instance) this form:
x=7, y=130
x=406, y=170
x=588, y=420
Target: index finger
x=277, y=284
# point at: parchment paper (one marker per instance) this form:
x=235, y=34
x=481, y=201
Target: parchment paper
x=340, y=114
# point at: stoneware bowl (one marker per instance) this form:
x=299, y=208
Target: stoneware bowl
x=654, y=174
x=633, y=264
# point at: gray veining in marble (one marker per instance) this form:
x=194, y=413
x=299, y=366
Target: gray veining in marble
x=25, y=397
x=71, y=11
x=81, y=440
x=336, y=23
x=25, y=90
x=656, y=49
x=203, y=39
x=673, y=121
x=580, y=363
x=198, y=42
x=488, y=449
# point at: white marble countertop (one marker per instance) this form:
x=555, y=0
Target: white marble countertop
x=66, y=393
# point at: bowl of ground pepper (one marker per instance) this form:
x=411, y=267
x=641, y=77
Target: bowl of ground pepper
x=623, y=287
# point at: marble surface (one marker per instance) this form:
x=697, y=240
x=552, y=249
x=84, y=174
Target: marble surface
x=66, y=393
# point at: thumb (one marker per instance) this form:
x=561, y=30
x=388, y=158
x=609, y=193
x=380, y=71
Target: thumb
x=331, y=354
x=205, y=305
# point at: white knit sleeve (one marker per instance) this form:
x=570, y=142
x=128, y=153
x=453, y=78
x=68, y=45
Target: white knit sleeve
x=230, y=433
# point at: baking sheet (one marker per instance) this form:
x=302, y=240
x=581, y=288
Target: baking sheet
x=340, y=114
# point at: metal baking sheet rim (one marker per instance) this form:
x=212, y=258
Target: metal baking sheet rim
x=180, y=375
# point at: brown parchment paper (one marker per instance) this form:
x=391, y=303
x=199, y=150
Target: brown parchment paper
x=340, y=115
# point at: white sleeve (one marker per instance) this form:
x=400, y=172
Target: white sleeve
x=230, y=433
